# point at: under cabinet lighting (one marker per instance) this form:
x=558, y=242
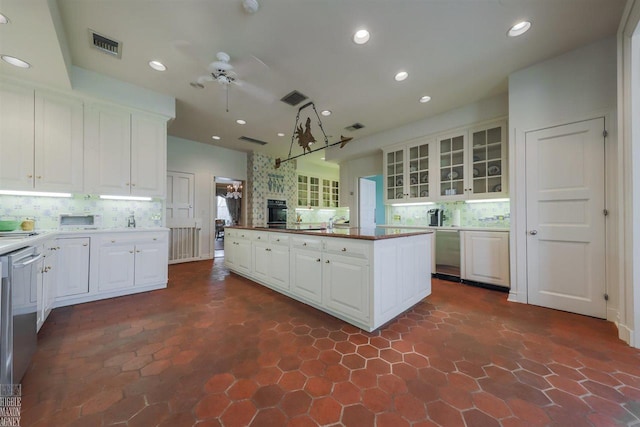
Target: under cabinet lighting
x=133, y=198
x=33, y=193
x=486, y=200
x=413, y=204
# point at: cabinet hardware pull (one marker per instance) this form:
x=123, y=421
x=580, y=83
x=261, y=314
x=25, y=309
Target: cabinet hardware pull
x=85, y=244
x=318, y=260
x=57, y=248
x=113, y=241
x=326, y=262
x=533, y=232
x=138, y=252
x=130, y=252
x=304, y=244
x=29, y=176
x=127, y=184
x=277, y=240
x=39, y=176
x=133, y=185
x=155, y=238
x=344, y=249
x=258, y=237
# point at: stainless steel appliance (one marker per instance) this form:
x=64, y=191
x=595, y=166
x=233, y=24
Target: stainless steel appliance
x=18, y=312
x=276, y=213
x=436, y=217
x=448, y=254
x=80, y=221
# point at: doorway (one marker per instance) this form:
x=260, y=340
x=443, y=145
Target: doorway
x=565, y=179
x=228, y=209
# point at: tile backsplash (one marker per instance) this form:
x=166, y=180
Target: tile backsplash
x=322, y=215
x=488, y=214
x=46, y=210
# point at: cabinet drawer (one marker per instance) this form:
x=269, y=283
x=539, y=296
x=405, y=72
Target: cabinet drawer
x=279, y=239
x=243, y=234
x=260, y=236
x=307, y=243
x=342, y=247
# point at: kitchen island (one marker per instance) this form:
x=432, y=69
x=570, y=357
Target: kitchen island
x=365, y=277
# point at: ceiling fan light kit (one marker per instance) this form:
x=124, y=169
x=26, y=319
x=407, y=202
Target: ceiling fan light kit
x=250, y=6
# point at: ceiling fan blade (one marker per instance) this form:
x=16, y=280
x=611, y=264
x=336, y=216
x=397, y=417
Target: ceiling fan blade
x=250, y=65
x=255, y=91
x=205, y=79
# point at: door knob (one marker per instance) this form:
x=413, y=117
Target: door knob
x=533, y=232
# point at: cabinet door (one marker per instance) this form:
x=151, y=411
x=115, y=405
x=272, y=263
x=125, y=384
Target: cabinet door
x=261, y=260
x=16, y=138
x=73, y=266
x=116, y=267
x=486, y=257
x=243, y=256
x=150, y=263
x=326, y=193
x=335, y=194
x=394, y=189
x=108, y=151
x=279, y=273
x=417, y=181
x=346, y=286
x=307, y=274
x=148, y=155
x=303, y=190
x=314, y=191
x=229, y=250
x=488, y=157
x=49, y=279
x=452, y=167
x=58, y=143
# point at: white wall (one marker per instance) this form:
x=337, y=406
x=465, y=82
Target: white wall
x=350, y=171
x=578, y=85
x=205, y=162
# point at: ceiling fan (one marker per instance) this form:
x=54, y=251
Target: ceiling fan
x=223, y=72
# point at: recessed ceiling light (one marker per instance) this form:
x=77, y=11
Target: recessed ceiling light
x=321, y=158
x=241, y=122
x=425, y=98
x=280, y=134
x=3, y=19
x=402, y=75
x=216, y=137
x=519, y=29
x=326, y=113
x=15, y=61
x=157, y=65
x=361, y=36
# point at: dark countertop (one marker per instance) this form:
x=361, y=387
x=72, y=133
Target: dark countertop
x=377, y=233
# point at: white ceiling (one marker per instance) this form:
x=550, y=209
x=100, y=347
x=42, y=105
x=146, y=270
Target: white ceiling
x=456, y=51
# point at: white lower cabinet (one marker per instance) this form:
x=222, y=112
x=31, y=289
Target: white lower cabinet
x=73, y=266
x=363, y=282
x=48, y=282
x=126, y=261
x=345, y=282
x=271, y=260
x=485, y=257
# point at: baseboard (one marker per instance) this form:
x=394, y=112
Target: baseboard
x=625, y=334
x=206, y=256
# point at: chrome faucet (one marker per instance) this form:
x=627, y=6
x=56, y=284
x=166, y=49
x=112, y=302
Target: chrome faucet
x=131, y=221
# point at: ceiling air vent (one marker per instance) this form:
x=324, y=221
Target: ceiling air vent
x=105, y=44
x=293, y=98
x=354, y=126
x=253, y=140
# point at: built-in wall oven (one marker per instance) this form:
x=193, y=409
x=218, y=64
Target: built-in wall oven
x=276, y=213
x=18, y=312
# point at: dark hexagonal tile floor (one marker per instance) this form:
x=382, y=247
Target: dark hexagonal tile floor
x=215, y=349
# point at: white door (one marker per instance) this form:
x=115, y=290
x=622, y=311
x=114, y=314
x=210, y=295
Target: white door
x=180, y=193
x=367, y=203
x=565, y=217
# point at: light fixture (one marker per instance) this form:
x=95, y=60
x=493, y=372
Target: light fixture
x=280, y=134
x=241, y=122
x=326, y=113
x=413, y=204
x=321, y=158
x=33, y=193
x=250, y=6
x=402, y=75
x=132, y=198
x=234, y=191
x=15, y=61
x=425, y=99
x=305, y=137
x=361, y=36
x=519, y=29
x=486, y=200
x=157, y=65
x=216, y=137
x=3, y=19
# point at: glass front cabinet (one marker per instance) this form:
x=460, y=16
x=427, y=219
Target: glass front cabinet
x=316, y=192
x=466, y=164
x=407, y=172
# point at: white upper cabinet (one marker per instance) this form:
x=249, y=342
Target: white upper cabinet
x=16, y=138
x=407, y=172
x=125, y=153
x=41, y=141
x=58, y=143
x=453, y=166
x=488, y=160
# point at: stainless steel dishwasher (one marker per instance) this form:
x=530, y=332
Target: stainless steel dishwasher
x=448, y=254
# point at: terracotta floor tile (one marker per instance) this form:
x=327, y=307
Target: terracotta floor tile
x=215, y=349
